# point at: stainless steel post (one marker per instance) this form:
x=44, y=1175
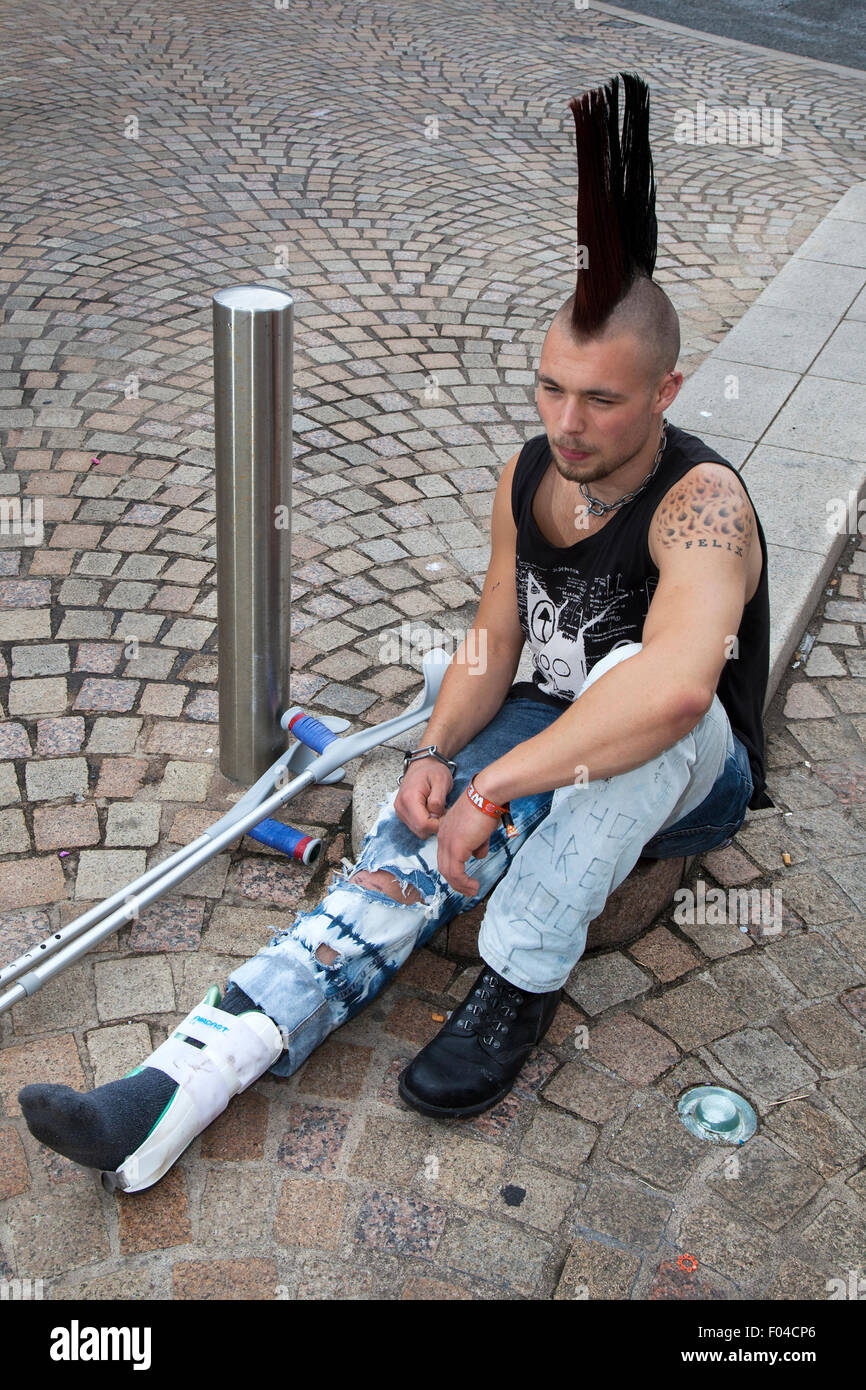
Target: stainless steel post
x=252, y=330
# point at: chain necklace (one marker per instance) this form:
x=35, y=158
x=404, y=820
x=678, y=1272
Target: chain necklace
x=599, y=508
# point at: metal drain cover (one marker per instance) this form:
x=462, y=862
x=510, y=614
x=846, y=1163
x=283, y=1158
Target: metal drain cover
x=716, y=1114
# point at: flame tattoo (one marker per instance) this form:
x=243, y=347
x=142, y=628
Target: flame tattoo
x=706, y=510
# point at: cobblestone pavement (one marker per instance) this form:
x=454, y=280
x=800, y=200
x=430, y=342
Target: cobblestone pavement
x=154, y=159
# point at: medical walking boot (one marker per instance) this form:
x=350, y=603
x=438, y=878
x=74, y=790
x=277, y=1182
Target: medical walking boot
x=142, y=1123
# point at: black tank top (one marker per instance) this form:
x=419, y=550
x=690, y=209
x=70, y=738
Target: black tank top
x=578, y=602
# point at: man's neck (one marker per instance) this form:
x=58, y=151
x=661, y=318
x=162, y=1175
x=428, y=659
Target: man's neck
x=624, y=479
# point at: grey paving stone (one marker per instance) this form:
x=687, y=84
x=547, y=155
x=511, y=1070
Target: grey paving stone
x=822, y=662
x=66, y=1234
x=40, y=659
x=115, y=1050
x=236, y=1199
x=799, y=788
x=595, y=1270
x=587, y=1092
x=804, y=701
x=768, y=1068
x=597, y=983
x=466, y=1172
x=114, y=734
x=776, y=478
x=849, y=695
x=182, y=782
x=838, y=1234
x=693, y=1014
x=833, y=1040
x=850, y=937
x=844, y=354
x=755, y=990
x=813, y=966
x=52, y=778
x=835, y=241
x=728, y=1245
x=849, y=1094
x=132, y=825
x=9, y=789
x=14, y=836
x=65, y=1000
x=532, y=1196
x=767, y=335
x=126, y=989
x=623, y=1211
x=764, y=1183
x=815, y=287
x=814, y=1130
x=654, y=1143
x=497, y=1252
x=824, y=829
x=559, y=1140
x=813, y=900
x=102, y=872
x=851, y=877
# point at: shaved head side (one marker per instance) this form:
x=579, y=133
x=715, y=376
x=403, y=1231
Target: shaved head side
x=644, y=312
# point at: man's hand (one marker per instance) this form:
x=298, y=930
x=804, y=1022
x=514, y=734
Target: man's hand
x=464, y=831
x=420, y=800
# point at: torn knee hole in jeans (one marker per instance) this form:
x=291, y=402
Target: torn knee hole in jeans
x=384, y=884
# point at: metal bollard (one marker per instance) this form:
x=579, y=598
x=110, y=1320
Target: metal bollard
x=252, y=331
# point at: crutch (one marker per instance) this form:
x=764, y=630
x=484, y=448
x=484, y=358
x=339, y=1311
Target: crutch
x=318, y=755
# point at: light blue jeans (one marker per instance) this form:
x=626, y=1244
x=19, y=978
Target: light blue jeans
x=574, y=846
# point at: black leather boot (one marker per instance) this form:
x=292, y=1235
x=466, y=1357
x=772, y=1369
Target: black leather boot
x=475, y=1058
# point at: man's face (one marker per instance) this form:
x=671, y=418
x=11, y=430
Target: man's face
x=597, y=403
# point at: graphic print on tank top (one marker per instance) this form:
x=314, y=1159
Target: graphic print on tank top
x=571, y=623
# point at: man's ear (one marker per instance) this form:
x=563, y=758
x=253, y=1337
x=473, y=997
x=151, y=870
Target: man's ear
x=669, y=390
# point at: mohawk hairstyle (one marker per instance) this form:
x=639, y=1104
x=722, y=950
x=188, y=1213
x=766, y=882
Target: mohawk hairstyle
x=616, y=219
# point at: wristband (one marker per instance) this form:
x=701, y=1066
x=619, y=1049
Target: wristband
x=490, y=808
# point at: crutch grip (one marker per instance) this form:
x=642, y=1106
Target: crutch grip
x=287, y=839
x=311, y=731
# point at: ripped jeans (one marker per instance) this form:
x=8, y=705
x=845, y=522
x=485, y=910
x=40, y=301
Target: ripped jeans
x=574, y=846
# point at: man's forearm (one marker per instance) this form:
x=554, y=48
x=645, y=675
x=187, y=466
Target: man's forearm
x=629, y=715
x=473, y=690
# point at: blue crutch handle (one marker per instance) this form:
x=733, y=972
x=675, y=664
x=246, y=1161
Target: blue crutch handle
x=284, y=837
x=311, y=731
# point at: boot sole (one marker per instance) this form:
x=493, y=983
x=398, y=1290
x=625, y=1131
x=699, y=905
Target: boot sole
x=450, y=1112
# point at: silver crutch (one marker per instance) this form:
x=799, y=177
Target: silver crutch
x=317, y=756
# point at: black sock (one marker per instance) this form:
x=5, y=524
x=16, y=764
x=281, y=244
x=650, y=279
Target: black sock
x=101, y=1128
x=236, y=1002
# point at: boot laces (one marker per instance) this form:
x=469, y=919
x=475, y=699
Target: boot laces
x=493, y=1005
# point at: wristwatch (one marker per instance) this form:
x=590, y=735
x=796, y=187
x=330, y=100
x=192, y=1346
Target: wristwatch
x=430, y=752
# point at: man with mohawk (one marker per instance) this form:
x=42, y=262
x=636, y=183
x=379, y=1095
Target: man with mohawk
x=628, y=555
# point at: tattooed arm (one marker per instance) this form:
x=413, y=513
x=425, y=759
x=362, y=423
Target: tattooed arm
x=703, y=539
